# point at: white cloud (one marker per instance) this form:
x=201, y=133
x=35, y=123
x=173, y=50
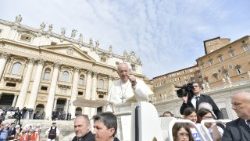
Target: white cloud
x=166, y=34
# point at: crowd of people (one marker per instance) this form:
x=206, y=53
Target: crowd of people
x=204, y=108
x=196, y=107
x=15, y=132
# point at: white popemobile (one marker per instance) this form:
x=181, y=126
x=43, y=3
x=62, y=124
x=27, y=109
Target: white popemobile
x=140, y=121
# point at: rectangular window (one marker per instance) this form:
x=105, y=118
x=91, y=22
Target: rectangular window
x=11, y=84
x=80, y=93
x=53, y=43
x=44, y=88
x=133, y=67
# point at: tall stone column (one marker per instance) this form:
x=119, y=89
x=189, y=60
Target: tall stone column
x=66, y=108
x=74, y=92
x=54, y=104
x=88, y=91
x=52, y=91
x=25, y=85
x=3, y=60
x=93, y=93
x=35, y=87
x=110, y=83
x=14, y=101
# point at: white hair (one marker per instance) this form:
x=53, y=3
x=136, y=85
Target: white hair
x=205, y=105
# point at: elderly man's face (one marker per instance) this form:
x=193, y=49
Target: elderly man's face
x=123, y=72
x=241, y=106
x=102, y=133
x=81, y=126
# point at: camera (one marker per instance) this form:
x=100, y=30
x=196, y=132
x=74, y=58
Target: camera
x=185, y=90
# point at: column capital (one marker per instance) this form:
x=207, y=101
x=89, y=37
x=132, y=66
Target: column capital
x=57, y=64
x=89, y=72
x=4, y=55
x=76, y=69
x=110, y=77
x=31, y=60
x=40, y=61
x=94, y=74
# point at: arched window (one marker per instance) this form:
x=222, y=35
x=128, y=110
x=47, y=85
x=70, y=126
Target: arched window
x=78, y=111
x=16, y=68
x=46, y=75
x=81, y=80
x=65, y=76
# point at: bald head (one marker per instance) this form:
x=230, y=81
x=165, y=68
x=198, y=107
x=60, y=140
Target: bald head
x=123, y=71
x=242, y=95
x=241, y=104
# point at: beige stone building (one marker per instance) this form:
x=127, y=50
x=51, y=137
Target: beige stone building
x=223, y=70
x=46, y=71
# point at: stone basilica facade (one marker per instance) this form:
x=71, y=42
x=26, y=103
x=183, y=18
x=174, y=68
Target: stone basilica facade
x=45, y=71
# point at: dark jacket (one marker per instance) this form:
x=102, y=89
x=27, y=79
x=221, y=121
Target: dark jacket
x=236, y=130
x=88, y=137
x=203, y=98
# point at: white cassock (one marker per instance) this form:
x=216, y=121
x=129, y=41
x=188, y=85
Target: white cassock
x=121, y=92
x=124, y=93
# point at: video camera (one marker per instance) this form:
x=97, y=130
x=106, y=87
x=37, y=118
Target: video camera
x=185, y=90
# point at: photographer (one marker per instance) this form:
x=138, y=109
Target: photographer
x=194, y=98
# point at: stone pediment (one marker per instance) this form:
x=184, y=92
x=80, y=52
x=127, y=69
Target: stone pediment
x=68, y=50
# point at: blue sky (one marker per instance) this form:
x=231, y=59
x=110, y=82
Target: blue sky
x=168, y=35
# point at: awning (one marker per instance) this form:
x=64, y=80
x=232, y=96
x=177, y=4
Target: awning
x=82, y=102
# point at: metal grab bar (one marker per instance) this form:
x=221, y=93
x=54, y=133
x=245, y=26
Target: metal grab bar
x=204, y=128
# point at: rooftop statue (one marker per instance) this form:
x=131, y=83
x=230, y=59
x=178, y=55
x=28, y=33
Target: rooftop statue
x=73, y=33
x=18, y=19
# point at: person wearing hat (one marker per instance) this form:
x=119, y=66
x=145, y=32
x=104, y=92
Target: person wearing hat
x=53, y=132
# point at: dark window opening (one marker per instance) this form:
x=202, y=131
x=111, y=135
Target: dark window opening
x=53, y=43
x=101, y=96
x=99, y=110
x=80, y=93
x=11, y=84
x=44, y=88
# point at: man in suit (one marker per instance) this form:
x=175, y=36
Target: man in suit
x=196, y=98
x=239, y=129
x=82, y=129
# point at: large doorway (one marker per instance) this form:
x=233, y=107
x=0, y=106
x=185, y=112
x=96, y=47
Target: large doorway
x=6, y=101
x=39, y=112
x=60, y=106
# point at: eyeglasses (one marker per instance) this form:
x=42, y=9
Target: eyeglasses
x=194, y=86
